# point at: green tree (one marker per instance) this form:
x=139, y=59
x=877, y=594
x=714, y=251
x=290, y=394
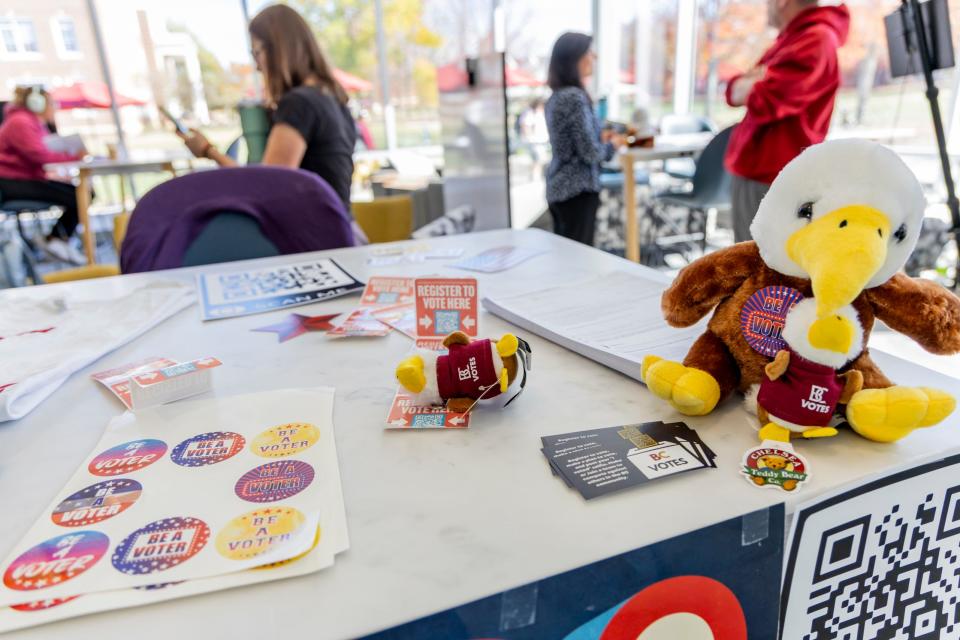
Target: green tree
x=346, y=30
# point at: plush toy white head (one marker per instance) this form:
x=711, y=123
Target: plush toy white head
x=840, y=338
x=844, y=214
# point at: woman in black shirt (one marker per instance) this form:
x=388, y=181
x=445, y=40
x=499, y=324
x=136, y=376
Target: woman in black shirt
x=312, y=127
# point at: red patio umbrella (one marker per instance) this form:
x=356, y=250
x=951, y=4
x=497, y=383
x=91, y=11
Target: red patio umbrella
x=517, y=77
x=90, y=95
x=350, y=82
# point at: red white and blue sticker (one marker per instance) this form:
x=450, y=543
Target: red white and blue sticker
x=97, y=502
x=274, y=481
x=160, y=545
x=127, y=457
x=56, y=560
x=763, y=315
x=42, y=605
x=208, y=448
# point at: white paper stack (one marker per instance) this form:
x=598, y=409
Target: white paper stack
x=185, y=499
x=614, y=319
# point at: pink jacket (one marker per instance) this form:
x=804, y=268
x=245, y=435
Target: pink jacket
x=22, y=152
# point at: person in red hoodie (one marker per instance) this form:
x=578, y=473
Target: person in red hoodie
x=789, y=96
x=22, y=156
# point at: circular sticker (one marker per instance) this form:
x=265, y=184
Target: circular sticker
x=160, y=545
x=159, y=585
x=254, y=533
x=97, y=502
x=775, y=468
x=56, y=560
x=274, y=481
x=763, y=315
x=283, y=563
x=127, y=457
x=207, y=448
x=285, y=440
x=40, y=605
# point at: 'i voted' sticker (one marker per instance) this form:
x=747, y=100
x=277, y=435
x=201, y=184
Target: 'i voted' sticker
x=41, y=605
x=97, y=502
x=763, y=315
x=56, y=560
x=274, y=481
x=207, y=448
x=161, y=545
x=285, y=440
x=257, y=532
x=127, y=457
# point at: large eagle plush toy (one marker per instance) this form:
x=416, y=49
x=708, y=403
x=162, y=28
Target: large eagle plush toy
x=837, y=224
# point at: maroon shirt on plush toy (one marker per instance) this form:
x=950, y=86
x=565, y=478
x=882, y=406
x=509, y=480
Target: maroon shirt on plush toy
x=806, y=394
x=468, y=371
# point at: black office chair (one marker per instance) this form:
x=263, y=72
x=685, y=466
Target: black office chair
x=711, y=190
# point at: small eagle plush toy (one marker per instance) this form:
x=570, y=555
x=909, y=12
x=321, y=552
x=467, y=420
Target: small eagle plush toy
x=470, y=370
x=837, y=225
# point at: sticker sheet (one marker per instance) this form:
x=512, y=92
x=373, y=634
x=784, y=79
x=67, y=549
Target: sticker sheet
x=879, y=560
x=248, y=291
x=400, y=317
x=117, y=380
x=132, y=515
x=359, y=323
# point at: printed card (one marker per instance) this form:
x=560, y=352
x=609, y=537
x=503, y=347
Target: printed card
x=172, y=383
x=247, y=291
x=498, y=259
x=445, y=305
x=381, y=290
x=600, y=461
x=400, y=317
x=359, y=324
x=118, y=378
x=405, y=414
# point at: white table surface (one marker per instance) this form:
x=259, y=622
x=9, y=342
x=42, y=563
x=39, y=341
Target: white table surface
x=436, y=518
x=670, y=146
x=114, y=166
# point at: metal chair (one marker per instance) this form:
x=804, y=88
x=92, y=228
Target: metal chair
x=711, y=190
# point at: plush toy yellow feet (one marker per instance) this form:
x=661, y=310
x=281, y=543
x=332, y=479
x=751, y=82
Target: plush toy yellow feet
x=886, y=415
x=691, y=391
x=410, y=374
x=772, y=431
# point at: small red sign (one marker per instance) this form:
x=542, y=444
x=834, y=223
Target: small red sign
x=383, y=290
x=445, y=305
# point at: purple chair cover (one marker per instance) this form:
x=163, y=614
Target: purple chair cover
x=297, y=211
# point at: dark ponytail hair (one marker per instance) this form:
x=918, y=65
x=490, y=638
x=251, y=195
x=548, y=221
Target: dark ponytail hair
x=565, y=58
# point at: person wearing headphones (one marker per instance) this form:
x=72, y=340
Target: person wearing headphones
x=22, y=156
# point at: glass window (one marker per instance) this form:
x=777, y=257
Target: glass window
x=67, y=33
x=7, y=36
x=28, y=36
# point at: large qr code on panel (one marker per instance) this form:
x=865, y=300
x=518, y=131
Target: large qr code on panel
x=247, y=285
x=881, y=562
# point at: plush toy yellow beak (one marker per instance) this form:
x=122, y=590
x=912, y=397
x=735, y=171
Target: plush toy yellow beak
x=841, y=252
x=833, y=333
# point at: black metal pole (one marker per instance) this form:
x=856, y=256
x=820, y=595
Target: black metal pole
x=933, y=97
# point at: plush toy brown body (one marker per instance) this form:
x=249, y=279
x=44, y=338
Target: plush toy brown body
x=837, y=224
x=920, y=309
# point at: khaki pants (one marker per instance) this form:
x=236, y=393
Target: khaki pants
x=745, y=197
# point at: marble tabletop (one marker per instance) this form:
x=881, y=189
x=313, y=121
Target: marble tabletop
x=436, y=519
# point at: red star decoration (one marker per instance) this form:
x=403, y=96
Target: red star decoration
x=297, y=325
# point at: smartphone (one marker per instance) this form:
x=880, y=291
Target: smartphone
x=179, y=125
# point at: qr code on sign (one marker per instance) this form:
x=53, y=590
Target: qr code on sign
x=243, y=286
x=880, y=562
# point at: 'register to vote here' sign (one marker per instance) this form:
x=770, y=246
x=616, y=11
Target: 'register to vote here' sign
x=445, y=305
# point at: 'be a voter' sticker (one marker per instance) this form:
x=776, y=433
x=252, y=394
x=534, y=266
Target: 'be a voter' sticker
x=160, y=545
x=127, y=457
x=207, y=448
x=763, y=315
x=285, y=440
x=97, y=502
x=274, y=481
x=257, y=532
x=42, y=605
x=56, y=560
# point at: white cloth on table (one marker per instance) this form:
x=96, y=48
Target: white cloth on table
x=43, y=342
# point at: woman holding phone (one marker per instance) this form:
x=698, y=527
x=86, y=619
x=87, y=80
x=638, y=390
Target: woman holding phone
x=312, y=127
